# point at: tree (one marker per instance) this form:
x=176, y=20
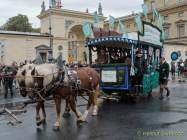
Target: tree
x=19, y=23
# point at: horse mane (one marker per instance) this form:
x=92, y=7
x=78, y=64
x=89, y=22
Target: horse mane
x=48, y=71
x=26, y=68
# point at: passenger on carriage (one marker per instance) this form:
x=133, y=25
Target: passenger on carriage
x=102, y=57
x=139, y=72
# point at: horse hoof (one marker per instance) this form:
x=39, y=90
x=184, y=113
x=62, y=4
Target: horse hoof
x=56, y=128
x=80, y=121
x=94, y=114
x=66, y=115
x=38, y=123
x=43, y=121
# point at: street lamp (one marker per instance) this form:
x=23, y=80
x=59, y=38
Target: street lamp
x=50, y=56
x=77, y=48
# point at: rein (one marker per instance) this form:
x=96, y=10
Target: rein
x=75, y=86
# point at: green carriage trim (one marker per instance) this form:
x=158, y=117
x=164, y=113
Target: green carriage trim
x=150, y=81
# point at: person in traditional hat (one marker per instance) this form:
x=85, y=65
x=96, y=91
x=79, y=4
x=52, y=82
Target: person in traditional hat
x=60, y=64
x=163, y=77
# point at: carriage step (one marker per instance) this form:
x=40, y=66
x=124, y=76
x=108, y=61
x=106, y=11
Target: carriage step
x=110, y=98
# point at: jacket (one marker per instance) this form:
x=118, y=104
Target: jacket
x=164, y=71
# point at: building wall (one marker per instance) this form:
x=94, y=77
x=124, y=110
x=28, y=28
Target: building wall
x=20, y=48
x=174, y=13
x=171, y=11
x=162, y=4
x=64, y=22
x=169, y=48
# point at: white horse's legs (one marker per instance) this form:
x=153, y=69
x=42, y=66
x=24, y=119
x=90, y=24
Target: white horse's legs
x=43, y=112
x=86, y=112
x=38, y=118
x=95, y=110
x=85, y=115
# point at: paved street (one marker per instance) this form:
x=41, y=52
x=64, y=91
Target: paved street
x=150, y=120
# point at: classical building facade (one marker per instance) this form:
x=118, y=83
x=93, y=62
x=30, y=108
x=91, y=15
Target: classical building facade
x=61, y=30
x=174, y=13
x=21, y=46
x=66, y=28
x=175, y=24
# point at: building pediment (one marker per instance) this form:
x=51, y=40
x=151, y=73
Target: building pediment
x=43, y=47
x=180, y=21
x=68, y=13
x=166, y=24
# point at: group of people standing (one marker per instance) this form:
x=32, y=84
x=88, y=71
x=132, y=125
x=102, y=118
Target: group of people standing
x=164, y=70
x=179, y=68
x=141, y=66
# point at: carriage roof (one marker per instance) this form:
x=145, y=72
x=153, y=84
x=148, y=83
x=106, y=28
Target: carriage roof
x=117, y=42
x=113, y=39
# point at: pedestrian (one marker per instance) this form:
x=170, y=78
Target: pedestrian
x=173, y=70
x=181, y=71
x=8, y=76
x=163, y=77
x=185, y=69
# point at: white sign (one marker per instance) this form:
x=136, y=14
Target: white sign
x=133, y=35
x=151, y=35
x=109, y=76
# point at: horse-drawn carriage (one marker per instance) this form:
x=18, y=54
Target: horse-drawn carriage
x=115, y=62
x=126, y=64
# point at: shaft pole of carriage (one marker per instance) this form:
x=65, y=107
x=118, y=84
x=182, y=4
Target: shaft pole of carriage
x=36, y=101
x=12, y=115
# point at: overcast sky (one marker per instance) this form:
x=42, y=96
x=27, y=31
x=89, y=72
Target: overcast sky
x=32, y=8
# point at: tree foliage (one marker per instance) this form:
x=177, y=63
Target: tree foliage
x=19, y=23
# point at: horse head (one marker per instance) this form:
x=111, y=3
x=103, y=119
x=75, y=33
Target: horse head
x=41, y=76
x=22, y=77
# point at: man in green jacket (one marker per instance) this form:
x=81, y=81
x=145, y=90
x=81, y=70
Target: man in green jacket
x=9, y=74
x=163, y=77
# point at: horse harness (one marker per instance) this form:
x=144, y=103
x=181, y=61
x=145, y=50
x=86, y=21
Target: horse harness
x=74, y=83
